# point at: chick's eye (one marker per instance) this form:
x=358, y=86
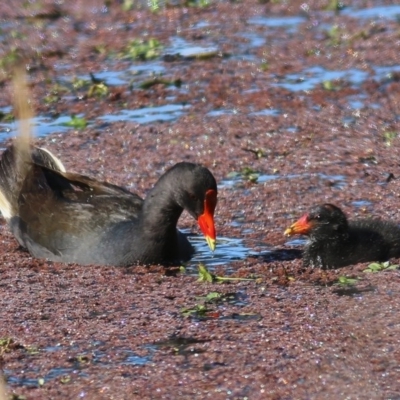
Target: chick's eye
x=192, y=196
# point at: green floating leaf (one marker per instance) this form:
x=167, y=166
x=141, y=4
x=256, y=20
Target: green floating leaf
x=79, y=83
x=377, y=267
x=204, y=275
x=98, y=90
x=213, y=296
x=76, y=122
x=6, y=117
x=65, y=379
x=199, y=310
x=346, y=281
x=143, y=50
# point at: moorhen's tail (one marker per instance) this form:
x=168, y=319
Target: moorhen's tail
x=16, y=162
x=13, y=174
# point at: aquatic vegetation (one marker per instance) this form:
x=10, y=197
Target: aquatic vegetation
x=347, y=281
x=142, y=50
x=389, y=136
x=383, y=266
x=76, y=122
x=206, y=276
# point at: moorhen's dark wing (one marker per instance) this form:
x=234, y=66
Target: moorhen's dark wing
x=66, y=216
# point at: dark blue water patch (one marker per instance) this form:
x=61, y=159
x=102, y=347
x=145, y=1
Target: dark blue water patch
x=52, y=349
x=290, y=24
x=348, y=121
x=133, y=359
x=98, y=356
x=311, y=77
x=42, y=379
x=267, y=112
x=361, y=203
x=338, y=181
x=41, y=126
x=296, y=242
x=146, y=115
x=123, y=77
x=267, y=178
x=254, y=40
x=218, y=113
x=292, y=129
x=380, y=12
x=237, y=178
x=385, y=72
x=356, y=104
x=201, y=25
x=314, y=76
x=185, y=49
x=226, y=251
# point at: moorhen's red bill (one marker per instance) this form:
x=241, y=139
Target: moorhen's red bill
x=69, y=217
x=336, y=242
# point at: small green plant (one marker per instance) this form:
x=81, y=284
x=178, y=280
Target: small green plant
x=250, y=174
x=98, y=90
x=55, y=93
x=10, y=59
x=206, y=276
x=6, y=345
x=258, y=153
x=15, y=396
x=142, y=50
x=159, y=81
x=329, y=85
x=346, y=281
x=6, y=117
x=213, y=296
x=76, y=122
x=127, y=5
x=389, y=136
x=199, y=310
x=378, y=267
x=335, y=5
x=79, y=83
x=198, y=3
x=334, y=35
x=32, y=350
x=65, y=379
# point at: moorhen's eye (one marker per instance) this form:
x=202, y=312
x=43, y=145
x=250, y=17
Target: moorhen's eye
x=192, y=196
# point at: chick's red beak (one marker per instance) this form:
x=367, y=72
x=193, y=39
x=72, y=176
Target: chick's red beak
x=300, y=227
x=206, y=220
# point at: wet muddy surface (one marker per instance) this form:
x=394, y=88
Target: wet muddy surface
x=289, y=104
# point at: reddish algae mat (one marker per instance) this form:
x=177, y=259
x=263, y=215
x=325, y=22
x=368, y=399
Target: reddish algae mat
x=289, y=104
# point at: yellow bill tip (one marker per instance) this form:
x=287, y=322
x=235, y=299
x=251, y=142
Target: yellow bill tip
x=211, y=243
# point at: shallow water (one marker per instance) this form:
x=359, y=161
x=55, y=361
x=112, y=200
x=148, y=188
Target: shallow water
x=147, y=115
x=379, y=12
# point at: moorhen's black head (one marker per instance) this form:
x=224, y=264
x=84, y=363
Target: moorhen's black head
x=322, y=221
x=195, y=190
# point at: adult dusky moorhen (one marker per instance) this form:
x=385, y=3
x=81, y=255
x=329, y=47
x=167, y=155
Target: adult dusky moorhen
x=336, y=242
x=68, y=217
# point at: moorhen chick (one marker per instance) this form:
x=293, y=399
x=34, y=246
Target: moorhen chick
x=336, y=242
x=68, y=217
